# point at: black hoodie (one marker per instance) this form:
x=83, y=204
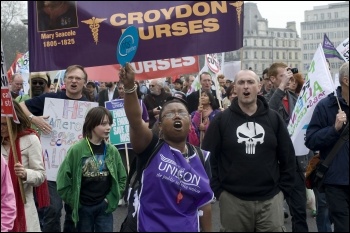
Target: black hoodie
x=252, y=157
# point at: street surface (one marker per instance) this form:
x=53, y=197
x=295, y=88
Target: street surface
x=120, y=213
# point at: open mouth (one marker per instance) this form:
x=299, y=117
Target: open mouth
x=177, y=124
x=246, y=93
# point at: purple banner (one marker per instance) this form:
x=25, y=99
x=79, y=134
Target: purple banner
x=87, y=33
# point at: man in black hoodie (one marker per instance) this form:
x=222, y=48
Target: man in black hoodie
x=252, y=160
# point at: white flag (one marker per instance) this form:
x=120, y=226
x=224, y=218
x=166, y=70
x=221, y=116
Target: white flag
x=318, y=84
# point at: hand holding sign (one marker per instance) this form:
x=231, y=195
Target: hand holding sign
x=127, y=45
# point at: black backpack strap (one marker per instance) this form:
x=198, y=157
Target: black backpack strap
x=199, y=152
x=136, y=177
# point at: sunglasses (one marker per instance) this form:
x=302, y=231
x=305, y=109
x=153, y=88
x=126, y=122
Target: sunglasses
x=38, y=82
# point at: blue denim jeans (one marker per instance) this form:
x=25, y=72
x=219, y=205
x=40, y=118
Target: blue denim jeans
x=95, y=219
x=323, y=220
x=52, y=214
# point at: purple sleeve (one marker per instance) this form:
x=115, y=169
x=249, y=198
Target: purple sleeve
x=145, y=116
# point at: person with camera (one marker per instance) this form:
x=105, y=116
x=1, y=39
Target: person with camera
x=326, y=126
x=283, y=101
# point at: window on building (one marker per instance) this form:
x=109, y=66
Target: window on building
x=263, y=54
x=277, y=55
x=278, y=34
x=305, y=46
x=329, y=15
x=255, y=55
x=277, y=43
x=270, y=42
x=255, y=67
x=263, y=66
x=283, y=43
x=245, y=42
x=296, y=43
x=246, y=66
x=291, y=35
x=315, y=17
x=285, y=35
x=322, y=16
x=290, y=55
x=296, y=55
x=284, y=55
x=305, y=56
x=263, y=42
x=254, y=42
x=270, y=55
x=290, y=43
x=246, y=55
x=296, y=66
x=336, y=15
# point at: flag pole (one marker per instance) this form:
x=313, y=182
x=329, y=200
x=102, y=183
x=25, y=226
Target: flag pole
x=15, y=157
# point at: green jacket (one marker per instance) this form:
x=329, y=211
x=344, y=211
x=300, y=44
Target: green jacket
x=70, y=173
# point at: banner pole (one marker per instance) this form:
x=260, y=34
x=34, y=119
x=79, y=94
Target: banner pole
x=14, y=152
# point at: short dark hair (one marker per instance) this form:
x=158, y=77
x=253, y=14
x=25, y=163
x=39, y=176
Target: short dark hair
x=94, y=118
x=92, y=84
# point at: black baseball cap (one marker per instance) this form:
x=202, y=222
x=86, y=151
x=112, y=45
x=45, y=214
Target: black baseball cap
x=178, y=95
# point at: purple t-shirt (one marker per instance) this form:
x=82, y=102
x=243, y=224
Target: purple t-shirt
x=167, y=174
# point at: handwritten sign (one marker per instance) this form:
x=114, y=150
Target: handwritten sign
x=66, y=119
x=119, y=133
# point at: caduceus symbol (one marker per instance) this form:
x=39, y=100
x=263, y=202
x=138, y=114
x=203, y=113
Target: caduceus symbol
x=238, y=5
x=94, y=24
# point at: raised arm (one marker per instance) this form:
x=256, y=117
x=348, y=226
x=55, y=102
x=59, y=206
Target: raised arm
x=140, y=134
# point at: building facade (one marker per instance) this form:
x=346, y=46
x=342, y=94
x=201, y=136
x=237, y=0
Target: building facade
x=263, y=46
x=332, y=20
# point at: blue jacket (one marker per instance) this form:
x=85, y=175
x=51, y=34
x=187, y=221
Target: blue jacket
x=321, y=136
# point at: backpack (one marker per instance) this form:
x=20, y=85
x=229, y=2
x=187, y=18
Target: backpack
x=134, y=184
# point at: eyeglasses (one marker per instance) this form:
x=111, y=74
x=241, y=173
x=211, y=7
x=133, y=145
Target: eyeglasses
x=170, y=115
x=78, y=79
x=38, y=82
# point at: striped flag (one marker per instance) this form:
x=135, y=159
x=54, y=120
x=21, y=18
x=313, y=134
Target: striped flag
x=329, y=49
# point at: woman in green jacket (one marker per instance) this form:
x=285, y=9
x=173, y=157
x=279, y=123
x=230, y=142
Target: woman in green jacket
x=92, y=177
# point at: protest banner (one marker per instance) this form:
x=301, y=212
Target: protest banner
x=318, y=84
x=343, y=49
x=66, y=119
x=119, y=133
x=147, y=70
x=167, y=29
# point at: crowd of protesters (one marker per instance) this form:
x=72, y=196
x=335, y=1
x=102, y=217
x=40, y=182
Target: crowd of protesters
x=188, y=148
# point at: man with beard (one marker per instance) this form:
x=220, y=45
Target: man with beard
x=40, y=83
x=75, y=77
x=155, y=100
x=108, y=94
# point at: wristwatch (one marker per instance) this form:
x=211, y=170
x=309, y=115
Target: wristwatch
x=30, y=117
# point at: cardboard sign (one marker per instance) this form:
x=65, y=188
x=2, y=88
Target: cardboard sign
x=66, y=119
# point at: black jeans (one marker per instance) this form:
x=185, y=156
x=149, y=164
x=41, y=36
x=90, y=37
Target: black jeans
x=297, y=202
x=338, y=201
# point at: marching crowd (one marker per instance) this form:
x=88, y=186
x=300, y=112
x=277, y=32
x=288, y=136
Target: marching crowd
x=187, y=149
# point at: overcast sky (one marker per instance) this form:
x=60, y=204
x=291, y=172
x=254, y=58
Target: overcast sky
x=278, y=13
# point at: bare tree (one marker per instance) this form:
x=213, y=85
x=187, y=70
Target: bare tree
x=14, y=35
